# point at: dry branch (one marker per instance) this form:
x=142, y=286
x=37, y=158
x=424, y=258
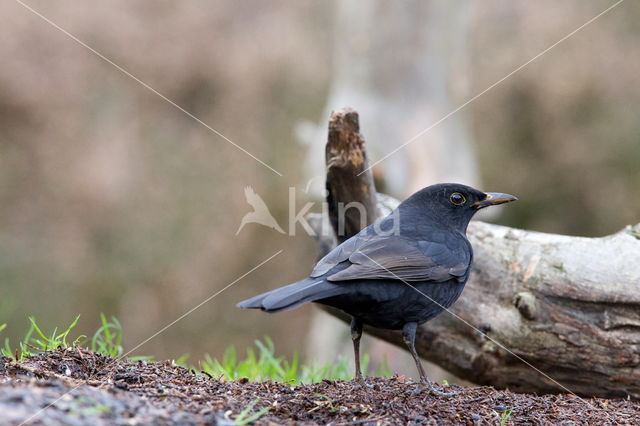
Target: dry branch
x=348, y=180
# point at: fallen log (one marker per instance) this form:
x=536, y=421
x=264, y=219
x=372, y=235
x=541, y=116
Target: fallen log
x=541, y=312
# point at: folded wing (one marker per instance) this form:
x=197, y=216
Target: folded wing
x=370, y=256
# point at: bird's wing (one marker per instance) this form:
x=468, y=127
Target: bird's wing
x=254, y=199
x=396, y=257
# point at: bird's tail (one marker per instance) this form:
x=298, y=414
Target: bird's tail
x=293, y=295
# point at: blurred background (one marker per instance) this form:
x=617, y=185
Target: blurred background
x=112, y=200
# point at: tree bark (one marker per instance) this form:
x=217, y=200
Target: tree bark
x=541, y=312
x=351, y=193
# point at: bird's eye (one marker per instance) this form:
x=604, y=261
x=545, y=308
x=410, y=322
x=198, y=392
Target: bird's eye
x=457, y=198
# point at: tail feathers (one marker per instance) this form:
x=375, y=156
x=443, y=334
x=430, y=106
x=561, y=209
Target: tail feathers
x=292, y=295
x=253, y=303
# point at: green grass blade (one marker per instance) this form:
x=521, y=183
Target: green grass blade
x=37, y=329
x=255, y=416
x=63, y=336
x=243, y=418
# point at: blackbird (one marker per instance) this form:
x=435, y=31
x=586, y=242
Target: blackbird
x=398, y=272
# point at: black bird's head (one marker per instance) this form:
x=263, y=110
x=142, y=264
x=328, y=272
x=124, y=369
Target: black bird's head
x=451, y=204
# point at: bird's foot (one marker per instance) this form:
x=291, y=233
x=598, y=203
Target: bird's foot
x=419, y=390
x=438, y=392
x=361, y=383
x=427, y=386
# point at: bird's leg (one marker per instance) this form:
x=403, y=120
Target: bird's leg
x=356, y=334
x=409, y=337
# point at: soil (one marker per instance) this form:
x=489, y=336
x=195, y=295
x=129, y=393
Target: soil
x=79, y=387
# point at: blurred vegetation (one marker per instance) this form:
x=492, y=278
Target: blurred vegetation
x=111, y=200
x=107, y=340
x=257, y=366
x=265, y=365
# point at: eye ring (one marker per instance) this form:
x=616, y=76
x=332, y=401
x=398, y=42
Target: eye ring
x=457, y=199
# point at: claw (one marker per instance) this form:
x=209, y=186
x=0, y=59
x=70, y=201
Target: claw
x=428, y=387
x=439, y=392
x=361, y=383
x=417, y=391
